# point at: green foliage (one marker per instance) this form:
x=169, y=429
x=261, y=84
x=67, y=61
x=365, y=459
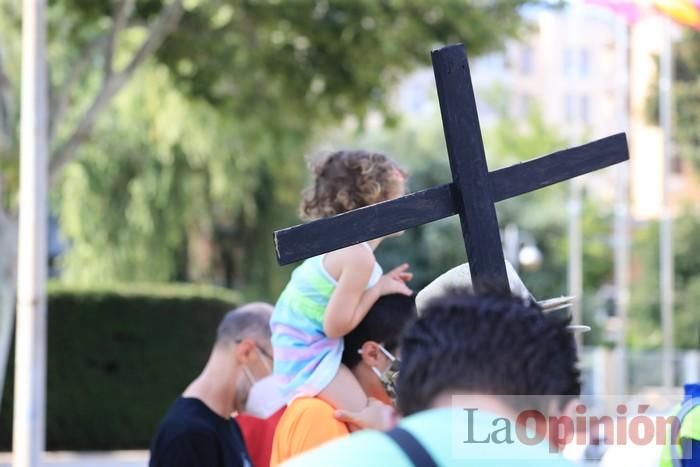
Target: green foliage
x=320, y=59
x=645, y=325
x=141, y=290
x=178, y=170
x=644, y=311
x=645, y=319
x=9, y=109
x=117, y=357
x=687, y=119
x=686, y=98
x=167, y=158
x=686, y=241
x=205, y=146
x=686, y=91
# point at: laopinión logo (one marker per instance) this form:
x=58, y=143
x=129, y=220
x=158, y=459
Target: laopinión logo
x=551, y=423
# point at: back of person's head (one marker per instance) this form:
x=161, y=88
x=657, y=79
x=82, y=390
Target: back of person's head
x=350, y=179
x=384, y=324
x=486, y=345
x=250, y=321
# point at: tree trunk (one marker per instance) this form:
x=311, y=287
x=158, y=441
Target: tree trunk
x=8, y=281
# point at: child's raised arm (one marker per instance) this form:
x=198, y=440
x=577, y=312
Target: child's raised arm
x=351, y=300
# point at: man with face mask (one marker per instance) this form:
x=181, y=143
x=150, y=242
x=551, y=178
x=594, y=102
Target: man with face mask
x=198, y=429
x=370, y=352
x=472, y=365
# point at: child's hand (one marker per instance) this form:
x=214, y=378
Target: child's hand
x=376, y=415
x=394, y=281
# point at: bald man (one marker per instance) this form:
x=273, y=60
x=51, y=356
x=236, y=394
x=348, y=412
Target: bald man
x=198, y=429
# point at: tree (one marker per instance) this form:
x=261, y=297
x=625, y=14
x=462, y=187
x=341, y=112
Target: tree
x=686, y=139
x=686, y=89
x=301, y=67
x=645, y=325
x=686, y=98
x=182, y=173
x=69, y=137
x=287, y=66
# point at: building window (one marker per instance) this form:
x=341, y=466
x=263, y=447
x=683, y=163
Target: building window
x=585, y=113
x=569, y=108
x=577, y=62
x=584, y=65
x=568, y=61
x=526, y=60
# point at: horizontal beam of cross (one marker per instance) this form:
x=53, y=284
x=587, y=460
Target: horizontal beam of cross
x=332, y=233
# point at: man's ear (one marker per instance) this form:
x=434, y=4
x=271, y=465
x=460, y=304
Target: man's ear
x=244, y=351
x=370, y=353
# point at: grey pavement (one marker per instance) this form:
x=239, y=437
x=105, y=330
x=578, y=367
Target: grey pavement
x=88, y=459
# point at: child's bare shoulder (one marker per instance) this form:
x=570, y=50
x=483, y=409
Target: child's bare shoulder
x=355, y=257
x=360, y=252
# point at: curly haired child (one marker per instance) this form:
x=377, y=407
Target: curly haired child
x=328, y=295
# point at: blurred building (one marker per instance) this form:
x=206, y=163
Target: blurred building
x=572, y=67
x=567, y=67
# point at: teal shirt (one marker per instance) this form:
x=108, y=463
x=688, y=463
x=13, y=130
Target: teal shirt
x=442, y=432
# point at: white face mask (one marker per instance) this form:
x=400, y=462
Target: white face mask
x=244, y=389
x=262, y=356
x=387, y=377
x=249, y=375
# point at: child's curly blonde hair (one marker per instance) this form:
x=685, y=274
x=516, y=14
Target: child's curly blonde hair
x=350, y=179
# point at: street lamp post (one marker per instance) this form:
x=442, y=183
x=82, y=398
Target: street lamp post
x=30, y=347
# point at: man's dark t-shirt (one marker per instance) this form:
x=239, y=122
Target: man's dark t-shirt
x=192, y=435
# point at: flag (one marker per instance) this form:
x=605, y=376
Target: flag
x=684, y=12
x=628, y=9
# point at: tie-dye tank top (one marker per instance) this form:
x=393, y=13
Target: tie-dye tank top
x=306, y=360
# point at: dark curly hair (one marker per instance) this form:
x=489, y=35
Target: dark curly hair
x=488, y=344
x=347, y=180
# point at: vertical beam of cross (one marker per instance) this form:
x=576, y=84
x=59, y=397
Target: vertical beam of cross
x=465, y=150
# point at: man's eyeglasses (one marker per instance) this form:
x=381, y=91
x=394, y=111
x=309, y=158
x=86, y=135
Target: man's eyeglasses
x=260, y=348
x=389, y=376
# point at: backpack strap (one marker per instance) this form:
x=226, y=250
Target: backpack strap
x=413, y=448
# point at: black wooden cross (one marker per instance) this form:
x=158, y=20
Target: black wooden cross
x=472, y=193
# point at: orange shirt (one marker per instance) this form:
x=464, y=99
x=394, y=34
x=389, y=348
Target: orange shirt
x=307, y=423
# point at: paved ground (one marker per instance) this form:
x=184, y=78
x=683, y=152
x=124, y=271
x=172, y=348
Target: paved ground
x=101, y=459
x=616, y=456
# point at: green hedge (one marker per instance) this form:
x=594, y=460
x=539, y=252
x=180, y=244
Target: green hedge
x=117, y=358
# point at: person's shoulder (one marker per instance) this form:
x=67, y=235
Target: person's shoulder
x=310, y=412
x=356, y=256
x=188, y=413
x=367, y=448
x=445, y=433
x=690, y=427
x=173, y=428
x=310, y=405
x=178, y=440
